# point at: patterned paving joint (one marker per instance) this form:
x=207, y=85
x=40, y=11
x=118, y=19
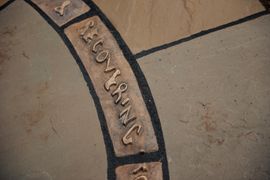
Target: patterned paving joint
x=143, y=171
x=62, y=11
x=127, y=118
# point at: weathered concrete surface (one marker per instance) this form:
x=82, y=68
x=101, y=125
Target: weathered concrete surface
x=213, y=98
x=48, y=123
x=146, y=24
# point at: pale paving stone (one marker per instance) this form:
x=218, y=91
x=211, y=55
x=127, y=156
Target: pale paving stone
x=49, y=127
x=213, y=99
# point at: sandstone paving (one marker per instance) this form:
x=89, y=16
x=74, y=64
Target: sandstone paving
x=212, y=95
x=147, y=24
x=49, y=127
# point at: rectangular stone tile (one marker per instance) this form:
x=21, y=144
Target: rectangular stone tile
x=143, y=171
x=219, y=85
x=62, y=11
x=147, y=24
x=126, y=115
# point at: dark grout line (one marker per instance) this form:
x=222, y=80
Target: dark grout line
x=112, y=160
x=6, y=4
x=202, y=33
x=138, y=158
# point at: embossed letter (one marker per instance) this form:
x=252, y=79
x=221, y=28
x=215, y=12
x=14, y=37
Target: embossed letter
x=112, y=81
x=88, y=25
x=128, y=140
x=102, y=56
x=124, y=116
x=61, y=9
x=125, y=101
x=94, y=49
x=89, y=36
x=141, y=168
x=85, y=34
x=120, y=89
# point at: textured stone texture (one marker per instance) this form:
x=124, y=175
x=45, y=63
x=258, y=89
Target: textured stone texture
x=145, y=24
x=143, y=171
x=74, y=9
x=145, y=140
x=48, y=123
x=213, y=98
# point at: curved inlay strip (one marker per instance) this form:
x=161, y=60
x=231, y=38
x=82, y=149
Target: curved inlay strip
x=128, y=120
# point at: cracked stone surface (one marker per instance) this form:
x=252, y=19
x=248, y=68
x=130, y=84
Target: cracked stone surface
x=49, y=128
x=213, y=99
x=146, y=24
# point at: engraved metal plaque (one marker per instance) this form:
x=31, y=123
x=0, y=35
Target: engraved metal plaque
x=62, y=11
x=126, y=115
x=142, y=171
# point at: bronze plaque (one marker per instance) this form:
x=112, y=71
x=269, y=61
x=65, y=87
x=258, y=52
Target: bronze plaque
x=62, y=11
x=126, y=115
x=142, y=171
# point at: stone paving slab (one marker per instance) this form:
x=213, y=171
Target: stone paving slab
x=49, y=127
x=212, y=95
x=147, y=24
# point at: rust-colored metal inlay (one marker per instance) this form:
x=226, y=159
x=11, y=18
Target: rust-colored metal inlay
x=126, y=115
x=143, y=171
x=62, y=11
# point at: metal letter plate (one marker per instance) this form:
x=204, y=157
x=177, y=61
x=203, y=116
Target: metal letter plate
x=73, y=9
x=116, y=87
x=143, y=171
